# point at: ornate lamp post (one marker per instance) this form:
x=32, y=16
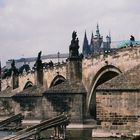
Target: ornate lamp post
x=58, y=56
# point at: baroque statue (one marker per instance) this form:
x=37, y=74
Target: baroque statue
x=74, y=46
x=38, y=65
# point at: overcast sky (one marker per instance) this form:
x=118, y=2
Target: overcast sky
x=28, y=26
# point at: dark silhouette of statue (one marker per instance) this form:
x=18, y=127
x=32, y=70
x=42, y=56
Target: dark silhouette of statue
x=13, y=68
x=38, y=65
x=15, y=80
x=132, y=38
x=74, y=46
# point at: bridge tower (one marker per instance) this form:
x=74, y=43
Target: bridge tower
x=74, y=67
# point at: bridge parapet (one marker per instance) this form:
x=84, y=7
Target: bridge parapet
x=6, y=83
x=29, y=78
x=24, y=78
x=123, y=59
x=51, y=73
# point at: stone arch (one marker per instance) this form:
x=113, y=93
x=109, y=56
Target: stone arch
x=28, y=84
x=104, y=74
x=57, y=80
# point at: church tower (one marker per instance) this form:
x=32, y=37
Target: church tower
x=91, y=44
x=97, y=41
x=97, y=32
x=86, y=48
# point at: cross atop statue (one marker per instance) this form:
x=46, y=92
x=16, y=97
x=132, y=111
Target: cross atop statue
x=74, y=46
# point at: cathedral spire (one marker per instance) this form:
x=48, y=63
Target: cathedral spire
x=86, y=47
x=97, y=31
x=85, y=38
x=85, y=50
x=109, y=37
x=91, y=41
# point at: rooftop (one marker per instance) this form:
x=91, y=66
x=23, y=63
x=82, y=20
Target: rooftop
x=50, y=56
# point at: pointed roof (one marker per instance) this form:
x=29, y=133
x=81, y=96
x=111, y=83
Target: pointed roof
x=85, y=38
x=97, y=31
x=85, y=35
x=91, y=40
x=85, y=45
x=129, y=80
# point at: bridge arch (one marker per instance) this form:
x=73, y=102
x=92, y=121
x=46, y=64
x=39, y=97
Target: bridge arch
x=28, y=84
x=104, y=74
x=57, y=80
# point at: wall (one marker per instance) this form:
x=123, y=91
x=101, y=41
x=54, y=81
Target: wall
x=44, y=107
x=73, y=104
x=118, y=109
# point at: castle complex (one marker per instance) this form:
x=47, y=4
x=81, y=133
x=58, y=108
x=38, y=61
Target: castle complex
x=97, y=45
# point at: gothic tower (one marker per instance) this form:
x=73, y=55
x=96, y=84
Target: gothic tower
x=97, y=41
x=86, y=48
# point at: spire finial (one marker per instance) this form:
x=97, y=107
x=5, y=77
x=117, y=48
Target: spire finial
x=97, y=31
x=97, y=26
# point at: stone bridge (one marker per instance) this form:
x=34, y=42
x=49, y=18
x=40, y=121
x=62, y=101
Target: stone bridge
x=102, y=68
x=51, y=77
x=95, y=71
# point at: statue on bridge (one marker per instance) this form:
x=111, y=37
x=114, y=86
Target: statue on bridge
x=15, y=79
x=38, y=65
x=74, y=46
x=14, y=69
x=132, y=39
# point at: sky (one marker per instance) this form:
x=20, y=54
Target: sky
x=30, y=26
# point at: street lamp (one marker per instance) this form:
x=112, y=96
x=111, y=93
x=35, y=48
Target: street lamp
x=58, y=55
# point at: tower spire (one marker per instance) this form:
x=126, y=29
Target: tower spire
x=85, y=50
x=109, y=36
x=85, y=35
x=97, y=31
x=91, y=41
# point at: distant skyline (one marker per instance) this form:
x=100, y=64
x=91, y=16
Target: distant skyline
x=30, y=26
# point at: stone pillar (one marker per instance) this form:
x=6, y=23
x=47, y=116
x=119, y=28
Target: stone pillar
x=74, y=68
x=39, y=77
x=15, y=75
x=15, y=81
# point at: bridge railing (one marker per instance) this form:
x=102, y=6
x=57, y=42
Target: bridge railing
x=58, y=122
x=16, y=118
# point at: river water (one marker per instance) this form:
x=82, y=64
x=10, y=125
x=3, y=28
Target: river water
x=72, y=135
x=4, y=133
x=86, y=135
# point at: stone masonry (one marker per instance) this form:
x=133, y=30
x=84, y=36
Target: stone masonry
x=118, y=102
